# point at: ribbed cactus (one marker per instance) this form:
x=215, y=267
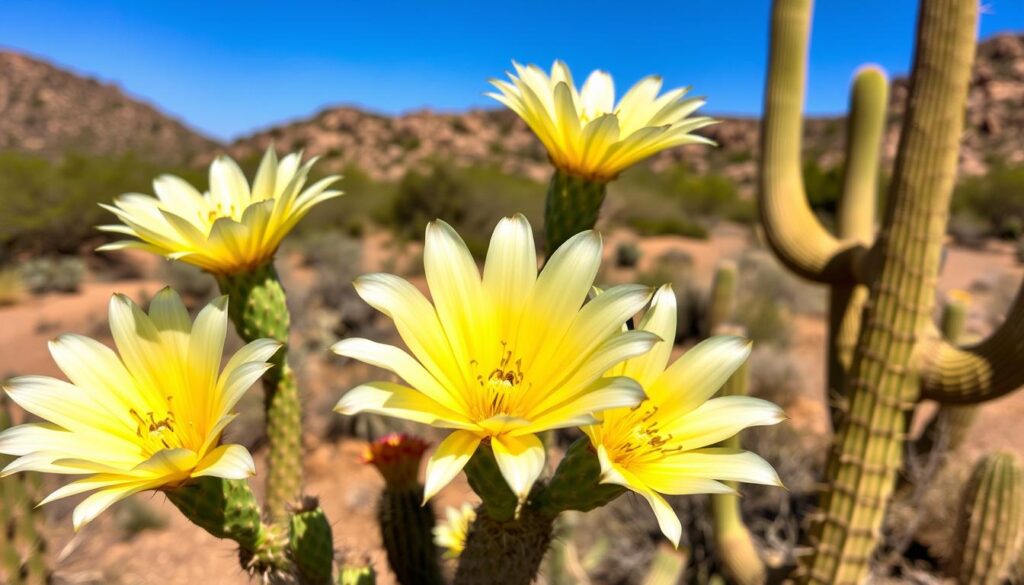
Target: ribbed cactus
x=951, y=424
x=311, y=543
x=509, y=539
x=989, y=529
x=733, y=542
x=406, y=522
x=896, y=356
x=572, y=206
x=722, y=298
x=258, y=309
x=22, y=546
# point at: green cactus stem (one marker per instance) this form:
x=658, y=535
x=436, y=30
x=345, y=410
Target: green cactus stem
x=406, y=522
x=950, y=425
x=22, y=545
x=258, y=309
x=572, y=206
x=505, y=551
x=227, y=508
x=988, y=534
x=733, y=541
x=486, y=480
x=722, y=300
x=311, y=543
x=576, y=485
x=855, y=220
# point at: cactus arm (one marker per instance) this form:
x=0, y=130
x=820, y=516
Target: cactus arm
x=980, y=372
x=733, y=541
x=855, y=219
x=799, y=240
x=883, y=382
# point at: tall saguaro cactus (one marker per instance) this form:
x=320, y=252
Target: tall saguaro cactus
x=897, y=356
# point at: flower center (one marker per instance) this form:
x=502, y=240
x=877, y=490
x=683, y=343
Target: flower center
x=501, y=388
x=156, y=434
x=639, y=434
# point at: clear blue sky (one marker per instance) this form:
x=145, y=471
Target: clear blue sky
x=229, y=67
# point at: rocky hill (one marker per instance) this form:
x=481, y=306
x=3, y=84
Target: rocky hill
x=47, y=110
x=385, y=147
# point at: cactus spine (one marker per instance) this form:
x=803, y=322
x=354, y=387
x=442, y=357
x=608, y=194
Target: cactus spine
x=259, y=310
x=572, y=206
x=897, y=357
x=22, y=547
x=989, y=525
x=733, y=542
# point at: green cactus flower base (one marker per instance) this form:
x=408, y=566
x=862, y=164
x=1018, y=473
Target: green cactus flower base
x=572, y=206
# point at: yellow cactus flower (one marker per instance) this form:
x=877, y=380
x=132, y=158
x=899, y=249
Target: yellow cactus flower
x=148, y=419
x=665, y=444
x=585, y=132
x=229, y=229
x=451, y=534
x=503, y=356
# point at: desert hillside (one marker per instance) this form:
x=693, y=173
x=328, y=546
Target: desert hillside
x=47, y=110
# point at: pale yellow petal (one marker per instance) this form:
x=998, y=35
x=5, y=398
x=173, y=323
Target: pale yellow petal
x=228, y=462
x=699, y=373
x=660, y=319
x=520, y=459
x=510, y=272
x=447, y=461
x=400, y=402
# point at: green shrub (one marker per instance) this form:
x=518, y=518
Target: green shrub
x=51, y=206
x=53, y=274
x=994, y=200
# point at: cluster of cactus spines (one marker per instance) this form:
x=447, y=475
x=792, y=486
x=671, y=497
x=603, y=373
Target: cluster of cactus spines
x=572, y=206
x=311, y=543
x=734, y=543
x=22, y=546
x=406, y=522
x=897, y=357
x=258, y=309
x=989, y=530
x=722, y=298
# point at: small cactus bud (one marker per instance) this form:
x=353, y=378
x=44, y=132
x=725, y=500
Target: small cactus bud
x=397, y=457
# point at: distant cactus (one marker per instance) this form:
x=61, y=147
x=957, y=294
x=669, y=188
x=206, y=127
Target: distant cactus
x=667, y=568
x=989, y=529
x=884, y=355
x=735, y=545
x=22, y=545
x=406, y=522
x=722, y=299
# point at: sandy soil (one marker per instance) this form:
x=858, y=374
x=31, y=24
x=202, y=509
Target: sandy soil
x=182, y=554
